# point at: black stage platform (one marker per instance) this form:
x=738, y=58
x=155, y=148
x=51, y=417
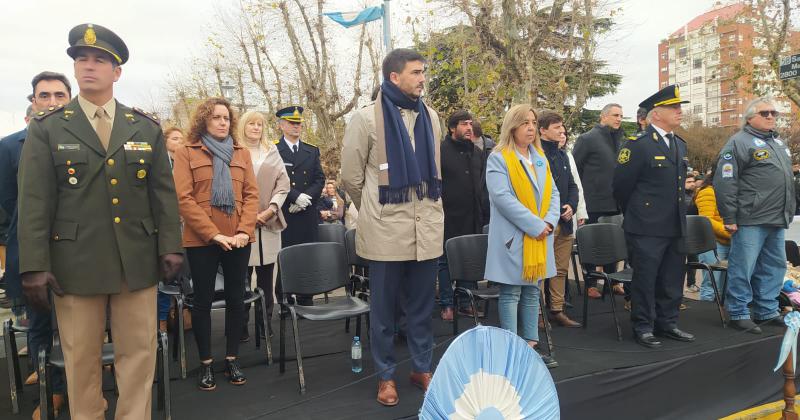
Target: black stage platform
x=598, y=378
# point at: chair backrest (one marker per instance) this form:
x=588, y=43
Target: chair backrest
x=485, y=229
x=313, y=268
x=466, y=256
x=331, y=233
x=699, y=235
x=601, y=244
x=614, y=219
x=792, y=253
x=350, y=245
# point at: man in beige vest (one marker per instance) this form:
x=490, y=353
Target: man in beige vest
x=391, y=169
x=98, y=226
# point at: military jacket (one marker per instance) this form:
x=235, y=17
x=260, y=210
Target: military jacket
x=305, y=174
x=96, y=218
x=648, y=185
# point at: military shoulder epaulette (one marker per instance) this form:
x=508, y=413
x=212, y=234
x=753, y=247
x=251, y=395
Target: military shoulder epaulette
x=50, y=111
x=309, y=144
x=151, y=116
x=277, y=141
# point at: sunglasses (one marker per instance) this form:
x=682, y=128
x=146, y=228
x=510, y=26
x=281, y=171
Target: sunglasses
x=766, y=114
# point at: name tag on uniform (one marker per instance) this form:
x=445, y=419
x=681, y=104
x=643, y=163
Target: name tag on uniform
x=288, y=163
x=138, y=146
x=383, y=166
x=659, y=157
x=69, y=147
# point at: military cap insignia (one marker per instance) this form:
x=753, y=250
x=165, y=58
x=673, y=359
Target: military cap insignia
x=624, y=156
x=89, y=37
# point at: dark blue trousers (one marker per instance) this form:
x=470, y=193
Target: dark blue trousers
x=40, y=335
x=389, y=282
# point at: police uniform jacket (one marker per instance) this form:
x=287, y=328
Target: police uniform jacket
x=306, y=177
x=753, y=181
x=96, y=218
x=648, y=184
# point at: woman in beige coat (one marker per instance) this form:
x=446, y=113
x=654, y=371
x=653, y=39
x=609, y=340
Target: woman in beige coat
x=273, y=186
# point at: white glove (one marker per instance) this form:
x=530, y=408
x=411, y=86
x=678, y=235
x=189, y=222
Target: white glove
x=303, y=200
x=294, y=208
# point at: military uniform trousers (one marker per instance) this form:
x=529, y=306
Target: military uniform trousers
x=82, y=325
x=657, y=288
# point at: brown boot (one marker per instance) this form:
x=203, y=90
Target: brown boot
x=58, y=404
x=421, y=380
x=387, y=393
x=33, y=379
x=562, y=319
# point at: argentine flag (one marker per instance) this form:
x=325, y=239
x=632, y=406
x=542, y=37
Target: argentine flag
x=349, y=19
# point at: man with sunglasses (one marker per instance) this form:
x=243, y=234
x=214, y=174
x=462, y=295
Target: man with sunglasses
x=755, y=197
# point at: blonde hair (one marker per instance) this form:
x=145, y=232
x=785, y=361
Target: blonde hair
x=245, y=119
x=514, y=118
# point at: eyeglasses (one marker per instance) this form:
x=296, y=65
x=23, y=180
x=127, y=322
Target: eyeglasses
x=766, y=114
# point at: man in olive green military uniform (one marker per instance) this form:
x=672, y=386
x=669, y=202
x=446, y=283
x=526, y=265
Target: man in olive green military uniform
x=98, y=225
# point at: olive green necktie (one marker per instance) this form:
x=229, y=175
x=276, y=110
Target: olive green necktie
x=103, y=127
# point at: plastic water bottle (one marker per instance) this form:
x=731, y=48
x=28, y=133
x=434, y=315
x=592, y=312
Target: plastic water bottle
x=355, y=355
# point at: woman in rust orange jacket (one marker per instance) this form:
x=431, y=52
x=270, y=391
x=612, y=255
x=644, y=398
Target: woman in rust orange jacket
x=218, y=200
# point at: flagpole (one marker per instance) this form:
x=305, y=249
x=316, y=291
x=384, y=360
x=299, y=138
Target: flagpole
x=387, y=27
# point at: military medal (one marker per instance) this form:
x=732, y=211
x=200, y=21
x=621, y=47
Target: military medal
x=71, y=171
x=141, y=173
x=72, y=180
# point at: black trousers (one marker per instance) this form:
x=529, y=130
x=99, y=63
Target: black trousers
x=657, y=287
x=264, y=281
x=203, y=262
x=610, y=268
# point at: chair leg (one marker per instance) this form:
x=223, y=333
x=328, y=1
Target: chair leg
x=724, y=287
x=717, y=297
x=282, y=342
x=300, y=372
x=181, y=337
x=166, y=396
x=456, y=292
x=546, y=321
x=613, y=300
x=159, y=373
x=585, y=306
x=358, y=327
x=12, y=360
x=267, y=339
x=577, y=272
x=45, y=391
x=347, y=325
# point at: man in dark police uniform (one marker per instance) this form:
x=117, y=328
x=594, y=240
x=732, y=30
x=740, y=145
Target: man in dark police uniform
x=648, y=184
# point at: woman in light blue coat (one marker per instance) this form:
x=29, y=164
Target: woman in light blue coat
x=515, y=216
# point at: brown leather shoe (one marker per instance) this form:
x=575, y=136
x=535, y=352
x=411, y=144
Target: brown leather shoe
x=162, y=325
x=33, y=379
x=447, y=314
x=58, y=404
x=421, y=380
x=619, y=290
x=387, y=393
x=562, y=319
x=593, y=293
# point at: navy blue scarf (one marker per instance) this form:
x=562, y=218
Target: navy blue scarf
x=409, y=167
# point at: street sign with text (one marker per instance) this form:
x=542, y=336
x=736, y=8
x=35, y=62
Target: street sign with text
x=789, y=67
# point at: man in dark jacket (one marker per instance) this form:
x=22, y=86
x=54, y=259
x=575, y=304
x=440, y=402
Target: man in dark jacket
x=463, y=193
x=595, y=156
x=550, y=128
x=756, y=199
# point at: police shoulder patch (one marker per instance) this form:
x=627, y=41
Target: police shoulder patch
x=624, y=155
x=48, y=112
x=149, y=115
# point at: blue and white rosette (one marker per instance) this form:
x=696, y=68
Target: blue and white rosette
x=792, y=321
x=489, y=373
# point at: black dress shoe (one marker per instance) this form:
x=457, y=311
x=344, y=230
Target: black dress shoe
x=745, y=325
x=234, y=372
x=647, y=339
x=675, y=334
x=205, y=379
x=775, y=322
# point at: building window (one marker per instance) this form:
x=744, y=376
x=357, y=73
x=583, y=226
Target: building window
x=715, y=120
x=682, y=52
x=697, y=79
x=697, y=63
x=698, y=109
x=683, y=84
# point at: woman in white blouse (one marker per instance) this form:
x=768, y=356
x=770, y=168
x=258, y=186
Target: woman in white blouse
x=273, y=186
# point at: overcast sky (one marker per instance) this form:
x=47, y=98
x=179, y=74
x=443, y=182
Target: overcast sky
x=163, y=35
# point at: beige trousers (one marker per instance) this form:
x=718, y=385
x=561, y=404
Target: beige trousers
x=562, y=250
x=81, y=326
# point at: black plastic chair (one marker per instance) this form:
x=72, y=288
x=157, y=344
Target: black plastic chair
x=792, y=253
x=466, y=256
x=601, y=244
x=700, y=239
x=309, y=269
x=12, y=360
x=615, y=219
x=359, y=273
x=250, y=296
x=331, y=233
